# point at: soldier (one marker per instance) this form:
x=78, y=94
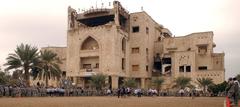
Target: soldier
x=75, y=93
x=6, y=91
x=1, y=90
x=230, y=91
x=22, y=91
x=34, y=91
x=10, y=91
x=70, y=92
x=236, y=91
x=79, y=91
x=18, y=92
x=66, y=92
x=43, y=91
x=29, y=94
x=14, y=91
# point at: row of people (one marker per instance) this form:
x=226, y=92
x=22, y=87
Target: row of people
x=16, y=91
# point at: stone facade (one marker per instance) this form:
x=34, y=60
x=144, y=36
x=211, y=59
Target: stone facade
x=132, y=45
x=191, y=56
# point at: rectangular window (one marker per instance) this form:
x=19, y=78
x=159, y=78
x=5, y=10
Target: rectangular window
x=135, y=50
x=181, y=68
x=124, y=45
x=188, y=68
x=202, y=68
x=97, y=65
x=135, y=67
x=123, y=63
x=167, y=61
x=165, y=34
x=146, y=67
x=147, y=30
x=202, y=49
x=64, y=73
x=71, y=78
x=87, y=66
x=147, y=55
x=135, y=29
x=147, y=51
x=78, y=79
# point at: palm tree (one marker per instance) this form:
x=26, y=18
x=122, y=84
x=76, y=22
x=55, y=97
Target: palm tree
x=4, y=78
x=98, y=81
x=24, y=59
x=130, y=82
x=158, y=83
x=48, y=66
x=204, y=82
x=182, y=82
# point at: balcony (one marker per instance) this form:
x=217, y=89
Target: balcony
x=88, y=72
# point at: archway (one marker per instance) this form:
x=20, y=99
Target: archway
x=89, y=44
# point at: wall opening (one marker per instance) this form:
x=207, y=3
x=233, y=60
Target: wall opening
x=90, y=44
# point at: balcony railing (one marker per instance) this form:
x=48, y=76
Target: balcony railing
x=89, y=70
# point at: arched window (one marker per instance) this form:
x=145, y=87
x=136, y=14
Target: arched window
x=90, y=44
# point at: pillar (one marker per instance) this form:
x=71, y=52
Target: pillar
x=75, y=80
x=82, y=82
x=116, y=8
x=142, y=83
x=114, y=82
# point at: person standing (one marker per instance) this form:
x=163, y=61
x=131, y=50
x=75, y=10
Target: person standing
x=109, y=92
x=181, y=91
x=118, y=92
x=6, y=91
x=1, y=90
x=230, y=91
x=139, y=92
x=236, y=91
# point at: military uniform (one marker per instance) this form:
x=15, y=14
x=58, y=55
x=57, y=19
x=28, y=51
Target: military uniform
x=6, y=91
x=1, y=90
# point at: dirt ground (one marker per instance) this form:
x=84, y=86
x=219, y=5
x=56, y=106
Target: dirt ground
x=112, y=102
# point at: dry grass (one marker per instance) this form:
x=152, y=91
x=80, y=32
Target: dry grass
x=112, y=102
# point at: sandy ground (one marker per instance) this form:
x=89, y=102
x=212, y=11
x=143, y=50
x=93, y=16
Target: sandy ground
x=112, y=102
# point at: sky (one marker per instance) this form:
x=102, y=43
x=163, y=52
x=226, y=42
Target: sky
x=43, y=23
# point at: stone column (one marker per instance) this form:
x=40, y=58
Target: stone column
x=82, y=84
x=143, y=83
x=115, y=82
x=75, y=80
x=116, y=15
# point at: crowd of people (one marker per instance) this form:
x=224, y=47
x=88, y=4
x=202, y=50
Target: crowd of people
x=36, y=91
x=40, y=91
x=232, y=91
x=15, y=91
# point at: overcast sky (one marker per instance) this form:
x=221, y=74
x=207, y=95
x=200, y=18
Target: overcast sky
x=44, y=22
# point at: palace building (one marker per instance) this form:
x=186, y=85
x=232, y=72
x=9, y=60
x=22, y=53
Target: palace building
x=124, y=45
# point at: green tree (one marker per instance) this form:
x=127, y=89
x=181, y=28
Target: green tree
x=98, y=81
x=182, y=82
x=204, y=83
x=24, y=58
x=4, y=78
x=17, y=74
x=48, y=66
x=130, y=82
x=216, y=88
x=157, y=82
x=17, y=78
